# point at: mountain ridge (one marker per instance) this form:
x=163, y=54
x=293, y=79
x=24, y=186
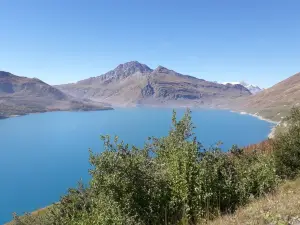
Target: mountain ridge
x=254, y=89
x=135, y=83
x=22, y=95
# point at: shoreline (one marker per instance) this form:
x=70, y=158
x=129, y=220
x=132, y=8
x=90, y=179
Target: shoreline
x=152, y=106
x=274, y=123
x=259, y=117
x=31, y=113
x=270, y=135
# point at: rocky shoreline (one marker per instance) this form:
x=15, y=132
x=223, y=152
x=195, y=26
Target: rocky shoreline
x=259, y=117
x=276, y=123
x=71, y=110
x=272, y=133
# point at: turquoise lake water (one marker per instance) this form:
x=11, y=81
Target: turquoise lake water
x=42, y=155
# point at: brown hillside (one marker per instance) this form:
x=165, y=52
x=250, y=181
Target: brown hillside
x=22, y=95
x=272, y=103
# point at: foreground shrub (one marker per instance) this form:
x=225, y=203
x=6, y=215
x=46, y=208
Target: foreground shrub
x=257, y=175
x=227, y=181
x=132, y=179
x=171, y=180
x=287, y=146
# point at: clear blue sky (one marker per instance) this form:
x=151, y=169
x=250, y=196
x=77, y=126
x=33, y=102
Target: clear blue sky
x=63, y=41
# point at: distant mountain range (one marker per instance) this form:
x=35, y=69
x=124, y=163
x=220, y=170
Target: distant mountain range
x=22, y=95
x=254, y=89
x=133, y=83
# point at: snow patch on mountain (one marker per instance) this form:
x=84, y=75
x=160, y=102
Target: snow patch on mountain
x=254, y=89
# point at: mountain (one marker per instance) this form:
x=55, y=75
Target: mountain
x=22, y=95
x=252, y=88
x=274, y=102
x=133, y=83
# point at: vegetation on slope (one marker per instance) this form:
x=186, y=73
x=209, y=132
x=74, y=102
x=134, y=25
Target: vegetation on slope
x=279, y=208
x=173, y=180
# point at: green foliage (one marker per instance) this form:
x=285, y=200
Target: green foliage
x=28, y=219
x=133, y=179
x=171, y=180
x=257, y=175
x=236, y=151
x=179, y=155
x=287, y=146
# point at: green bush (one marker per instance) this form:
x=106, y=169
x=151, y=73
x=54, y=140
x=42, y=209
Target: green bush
x=217, y=182
x=171, y=180
x=256, y=175
x=131, y=178
x=287, y=146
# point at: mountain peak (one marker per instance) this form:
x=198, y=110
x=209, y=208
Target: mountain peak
x=5, y=74
x=254, y=89
x=133, y=66
x=161, y=69
x=126, y=69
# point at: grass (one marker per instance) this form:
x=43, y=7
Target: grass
x=40, y=212
x=279, y=208
x=37, y=213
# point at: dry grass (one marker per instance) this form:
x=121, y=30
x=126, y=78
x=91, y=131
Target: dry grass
x=37, y=213
x=280, y=208
x=265, y=146
x=40, y=212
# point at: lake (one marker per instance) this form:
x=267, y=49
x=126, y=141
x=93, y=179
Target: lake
x=42, y=155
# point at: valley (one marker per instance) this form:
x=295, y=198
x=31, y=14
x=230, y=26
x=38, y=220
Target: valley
x=135, y=84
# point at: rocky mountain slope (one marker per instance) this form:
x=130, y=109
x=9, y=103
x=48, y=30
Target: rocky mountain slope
x=275, y=102
x=254, y=89
x=22, y=95
x=134, y=83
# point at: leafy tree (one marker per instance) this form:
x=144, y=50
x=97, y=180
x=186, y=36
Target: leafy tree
x=179, y=155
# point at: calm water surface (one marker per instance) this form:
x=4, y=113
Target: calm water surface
x=42, y=155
